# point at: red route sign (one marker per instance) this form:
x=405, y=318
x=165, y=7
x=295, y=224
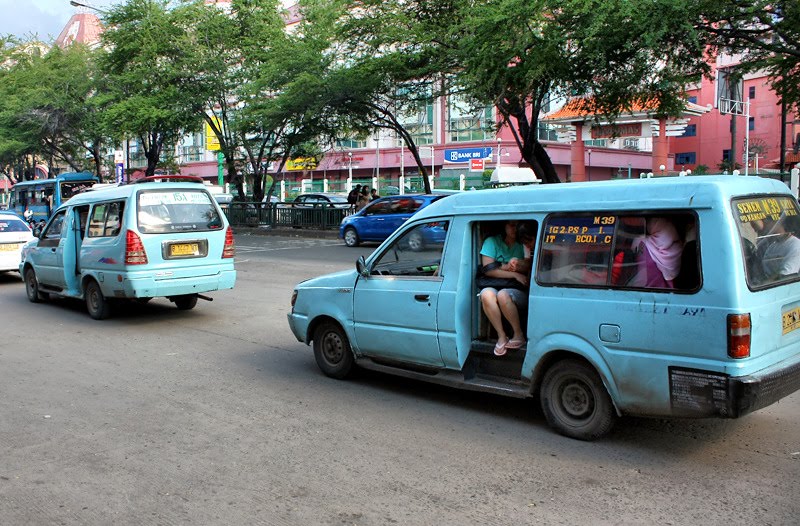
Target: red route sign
x=476, y=165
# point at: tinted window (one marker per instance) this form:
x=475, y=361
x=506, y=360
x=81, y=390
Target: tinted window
x=647, y=251
x=161, y=211
x=769, y=227
x=10, y=224
x=53, y=230
x=106, y=219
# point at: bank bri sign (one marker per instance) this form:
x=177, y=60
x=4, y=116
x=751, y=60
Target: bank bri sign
x=465, y=155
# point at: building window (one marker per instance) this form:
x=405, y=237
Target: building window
x=751, y=123
x=351, y=143
x=686, y=158
x=468, y=124
x=726, y=155
x=690, y=131
x=418, y=120
x=693, y=99
x=751, y=92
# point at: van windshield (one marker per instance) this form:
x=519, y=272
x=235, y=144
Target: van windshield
x=166, y=211
x=769, y=227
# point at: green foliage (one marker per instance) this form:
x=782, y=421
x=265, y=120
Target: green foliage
x=765, y=32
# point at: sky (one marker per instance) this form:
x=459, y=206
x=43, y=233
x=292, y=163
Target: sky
x=46, y=18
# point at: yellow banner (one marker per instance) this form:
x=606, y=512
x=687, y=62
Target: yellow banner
x=301, y=163
x=212, y=142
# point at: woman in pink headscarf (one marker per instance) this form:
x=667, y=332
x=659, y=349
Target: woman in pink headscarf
x=659, y=255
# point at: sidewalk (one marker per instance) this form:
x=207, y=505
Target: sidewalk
x=332, y=233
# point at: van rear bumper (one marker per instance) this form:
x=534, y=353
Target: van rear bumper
x=148, y=287
x=696, y=393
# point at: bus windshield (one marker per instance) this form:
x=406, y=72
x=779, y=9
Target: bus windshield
x=72, y=188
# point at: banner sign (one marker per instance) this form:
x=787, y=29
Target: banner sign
x=212, y=142
x=301, y=163
x=465, y=155
x=610, y=131
x=118, y=173
x=476, y=165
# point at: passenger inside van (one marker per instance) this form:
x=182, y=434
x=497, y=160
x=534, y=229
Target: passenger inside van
x=780, y=249
x=503, y=300
x=659, y=255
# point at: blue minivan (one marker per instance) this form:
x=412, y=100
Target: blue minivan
x=377, y=220
x=667, y=297
x=161, y=237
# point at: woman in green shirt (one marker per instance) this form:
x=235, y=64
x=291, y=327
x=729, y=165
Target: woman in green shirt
x=497, y=253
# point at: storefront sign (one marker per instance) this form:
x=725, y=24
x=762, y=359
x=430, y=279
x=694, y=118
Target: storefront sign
x=465, y=155
x=610, y=131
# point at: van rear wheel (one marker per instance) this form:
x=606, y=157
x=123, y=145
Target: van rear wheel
x=332, y=350
x=186, y=302
x=575, y=401
x=98, y=306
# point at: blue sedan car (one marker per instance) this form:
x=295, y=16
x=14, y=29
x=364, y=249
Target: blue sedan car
x=377, y=220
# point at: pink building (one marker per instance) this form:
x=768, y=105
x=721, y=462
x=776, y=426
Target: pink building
x=709, y=139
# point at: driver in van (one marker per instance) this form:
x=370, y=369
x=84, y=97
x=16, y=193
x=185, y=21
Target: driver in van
x=780, y=249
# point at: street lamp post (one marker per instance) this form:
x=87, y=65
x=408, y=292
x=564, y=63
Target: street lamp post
x=589, y=170
x=73, y=3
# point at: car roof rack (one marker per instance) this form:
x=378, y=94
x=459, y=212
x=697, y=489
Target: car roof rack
x=169, y=179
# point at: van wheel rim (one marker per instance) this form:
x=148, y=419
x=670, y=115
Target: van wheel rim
x=332, y=348
x=577, y=400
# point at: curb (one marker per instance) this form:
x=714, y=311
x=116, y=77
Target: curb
x=286, y=232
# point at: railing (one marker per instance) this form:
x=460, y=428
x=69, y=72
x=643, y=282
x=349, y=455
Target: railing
x=320, y=216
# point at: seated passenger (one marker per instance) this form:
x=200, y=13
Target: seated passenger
x=659, y=255
x=496, y=254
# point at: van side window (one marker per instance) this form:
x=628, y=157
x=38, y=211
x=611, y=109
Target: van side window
x=655, y=251
x=53, y=231
x=417, y=253
x=106, y=219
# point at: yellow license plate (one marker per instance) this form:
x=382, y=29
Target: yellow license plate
x=8, y=247
x=184, y=249
x=791, y=320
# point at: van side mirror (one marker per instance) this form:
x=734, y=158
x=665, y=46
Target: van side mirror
x=361, y=267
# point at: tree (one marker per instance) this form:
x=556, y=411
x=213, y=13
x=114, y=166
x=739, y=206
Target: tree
x=48, y=111
x=765, y=32
x=148, y=76
x=518, y=55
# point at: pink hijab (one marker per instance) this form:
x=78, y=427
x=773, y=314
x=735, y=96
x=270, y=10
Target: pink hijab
x=664, y=246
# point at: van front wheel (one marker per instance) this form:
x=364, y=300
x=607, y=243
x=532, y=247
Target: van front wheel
x=98, y=306
x=575, y=401
x=332, y=350
x=32, y=287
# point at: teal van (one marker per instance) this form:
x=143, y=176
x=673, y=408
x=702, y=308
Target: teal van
x=618, y=321
x=162, y=237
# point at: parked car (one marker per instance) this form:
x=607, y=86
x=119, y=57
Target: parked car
x=14, y=233
x=377, y=220
x=137, y=241
x=318, y=210
x=315, y=200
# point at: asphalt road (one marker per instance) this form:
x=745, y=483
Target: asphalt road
x=219, y=416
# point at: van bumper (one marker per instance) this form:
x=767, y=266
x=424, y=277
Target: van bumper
x=696, y=393
x=298, y=326
x=148, y=287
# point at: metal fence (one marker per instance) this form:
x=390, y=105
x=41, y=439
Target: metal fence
x=320, y=217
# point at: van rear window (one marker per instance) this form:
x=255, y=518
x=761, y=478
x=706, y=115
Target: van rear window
x=769, y=227
x=166, y=211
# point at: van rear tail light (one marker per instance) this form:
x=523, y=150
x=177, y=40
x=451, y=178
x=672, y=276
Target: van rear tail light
x=738, y=335
x=229, y=250
x=134, y=249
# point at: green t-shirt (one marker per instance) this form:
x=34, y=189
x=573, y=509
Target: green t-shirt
x=495, y=247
